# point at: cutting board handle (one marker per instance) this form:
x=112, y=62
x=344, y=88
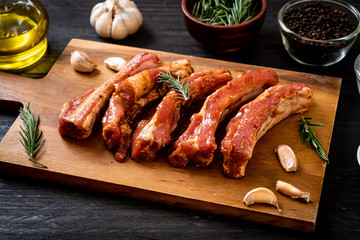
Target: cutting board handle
x=10, y=106
x=16, y=90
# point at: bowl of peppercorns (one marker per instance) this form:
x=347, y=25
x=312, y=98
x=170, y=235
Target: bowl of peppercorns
x=318, y=32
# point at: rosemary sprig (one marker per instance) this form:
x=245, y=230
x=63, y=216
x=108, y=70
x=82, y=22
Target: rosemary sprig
x=32, y=140
x=308, y=135
x=182, y=88
x=225, y=12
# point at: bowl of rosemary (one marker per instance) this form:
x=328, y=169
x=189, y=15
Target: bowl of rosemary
x=224, y=25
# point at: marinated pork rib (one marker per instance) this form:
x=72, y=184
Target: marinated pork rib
x=78, y=115
x=130, y=96
x=255, y=118
x=153, y=134
x=197, y=144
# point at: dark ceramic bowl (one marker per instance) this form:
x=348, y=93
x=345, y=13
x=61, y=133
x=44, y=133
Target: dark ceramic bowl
x=223, y=38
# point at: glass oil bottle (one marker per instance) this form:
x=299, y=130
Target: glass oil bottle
x=23, y=28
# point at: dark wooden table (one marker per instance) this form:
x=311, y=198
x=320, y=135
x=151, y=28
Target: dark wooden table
x=33, y=209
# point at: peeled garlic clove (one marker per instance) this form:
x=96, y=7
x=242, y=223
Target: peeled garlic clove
x=115, y=63
x=291, y=191
x=81, y=62
x=261, y=195
x=287, y=158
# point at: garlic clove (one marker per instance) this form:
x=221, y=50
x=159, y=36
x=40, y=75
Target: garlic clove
x=119, y=29
x=126, y=4
x=109, y=4
x=131, y=13
x=97, y=10
x=118, y=8
x=291, y=191
x=103, y=24
x=287, y=158
x=115, y=63
x=133, y=26
x=81, y=62
x=261, y=195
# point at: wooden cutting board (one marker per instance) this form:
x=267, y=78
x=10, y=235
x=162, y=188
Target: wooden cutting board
x=87, y=163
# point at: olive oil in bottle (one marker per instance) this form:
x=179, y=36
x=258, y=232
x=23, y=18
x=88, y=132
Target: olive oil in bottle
x=23, y=28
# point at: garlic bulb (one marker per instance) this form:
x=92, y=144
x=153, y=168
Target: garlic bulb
x=116, y=18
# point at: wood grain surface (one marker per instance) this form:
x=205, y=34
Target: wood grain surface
x=89, y=164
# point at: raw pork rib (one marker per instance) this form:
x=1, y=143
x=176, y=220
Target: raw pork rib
x=255, y=118
x=197, y=144
x=129, y=98
x=153, y=134
x=78, y=115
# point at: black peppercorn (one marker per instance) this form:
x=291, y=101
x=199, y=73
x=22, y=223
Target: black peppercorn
x=318, y=22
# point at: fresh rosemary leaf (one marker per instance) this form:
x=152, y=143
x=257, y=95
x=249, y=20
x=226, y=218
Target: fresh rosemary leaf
x=32, y=139
x=309, y=136
x=182, y=88
x=225, y=12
